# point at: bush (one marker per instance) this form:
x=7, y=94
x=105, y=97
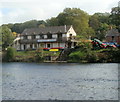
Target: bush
x=85, y=46
x=77, y=56
x=91, y=57
x=39, y=55
x=10, y=54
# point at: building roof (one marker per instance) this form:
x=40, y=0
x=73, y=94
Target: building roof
x=113, y=32
x=46, y=30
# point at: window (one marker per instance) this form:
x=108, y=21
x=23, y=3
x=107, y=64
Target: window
x=31, y=46
x=112, y=38
x=25, y=37
x=70, y=35
x=59, y=35
x=42, y=36
x=49, y=36
x=24, y=47
x=48, y=45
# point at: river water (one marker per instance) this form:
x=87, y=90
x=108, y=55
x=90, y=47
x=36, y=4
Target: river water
x=59, y=81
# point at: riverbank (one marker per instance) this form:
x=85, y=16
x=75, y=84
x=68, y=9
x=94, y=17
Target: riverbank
x=76, y=56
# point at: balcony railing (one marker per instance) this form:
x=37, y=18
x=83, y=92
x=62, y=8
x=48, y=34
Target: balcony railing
x=63, y=39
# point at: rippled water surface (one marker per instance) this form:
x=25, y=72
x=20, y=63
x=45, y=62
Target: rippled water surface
x=47, y=81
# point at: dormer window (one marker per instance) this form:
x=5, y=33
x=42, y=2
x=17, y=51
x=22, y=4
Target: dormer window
x=25, y=37
x=42, y=36
x=49, y=36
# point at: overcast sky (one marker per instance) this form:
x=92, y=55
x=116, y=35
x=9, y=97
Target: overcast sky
x=15, y=11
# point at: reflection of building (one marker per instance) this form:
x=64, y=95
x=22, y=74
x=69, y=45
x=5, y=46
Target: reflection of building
x=47, y=37
x=113, y=36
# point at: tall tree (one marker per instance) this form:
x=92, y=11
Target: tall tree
x=52, y=21
x=7, y=36
x=100, y=23
x=76, y=17
x=115, y=16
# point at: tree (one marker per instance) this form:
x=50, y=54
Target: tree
x=10, y=54
x=76, y=17
x=19, y=27
x=115, y=16
x=100, y=23
x=52, y=22
x=7, y=36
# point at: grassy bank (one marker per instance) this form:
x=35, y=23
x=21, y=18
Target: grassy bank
x=83, y=54
x=27, y=56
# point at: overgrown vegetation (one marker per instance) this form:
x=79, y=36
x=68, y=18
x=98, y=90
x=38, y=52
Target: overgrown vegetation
x=27, y=56
x=9, y=55
x=86, y=54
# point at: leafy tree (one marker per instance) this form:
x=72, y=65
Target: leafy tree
x=7, y=36
x=94, y=22
x=19, y=27
x=52, y=22
x=100, y=23
x=76, y=17
x=10, y=54
x=115, y=16
x=73, y=16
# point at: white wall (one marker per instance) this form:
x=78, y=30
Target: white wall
x=37, y=36
x=33, y=46
x=55, y=44
x=21, y=37
x=45, y=36
x=71, y=31
x=54, y=35
x=64, y=35
x=27, y=46
x=22, y=47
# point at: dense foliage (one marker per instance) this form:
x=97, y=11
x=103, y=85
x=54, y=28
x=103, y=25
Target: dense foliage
x=9, y=54
x=7, y=36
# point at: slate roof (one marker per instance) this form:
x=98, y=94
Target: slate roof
x=113, y=32
x=46, y=30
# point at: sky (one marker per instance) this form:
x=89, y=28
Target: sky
x=18, y=11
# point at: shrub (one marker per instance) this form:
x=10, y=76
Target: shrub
x=10, y=54
x=77, y=56
x=91, y=57
x=85, y=46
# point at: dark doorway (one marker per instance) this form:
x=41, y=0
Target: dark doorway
x=24, y=47
x=48, y=45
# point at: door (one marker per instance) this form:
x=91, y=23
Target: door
x=48, y=45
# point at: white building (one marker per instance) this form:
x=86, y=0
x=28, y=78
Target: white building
x=47, y=37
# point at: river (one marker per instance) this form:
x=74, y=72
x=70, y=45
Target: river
x=59, y=81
